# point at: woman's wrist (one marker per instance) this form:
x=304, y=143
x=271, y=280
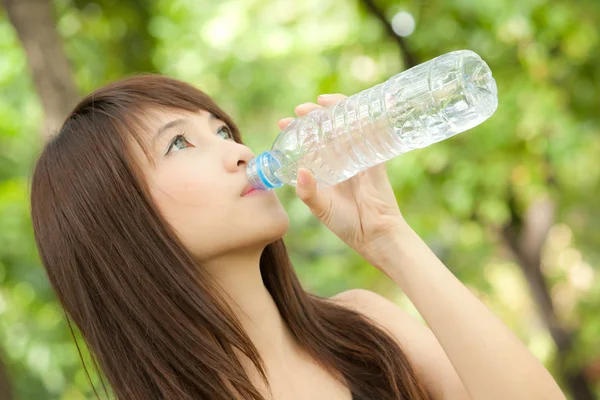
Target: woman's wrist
x=385, y=251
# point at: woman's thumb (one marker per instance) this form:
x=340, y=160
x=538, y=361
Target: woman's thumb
x=306, y=190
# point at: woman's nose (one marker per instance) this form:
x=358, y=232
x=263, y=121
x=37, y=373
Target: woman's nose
x=240, y=158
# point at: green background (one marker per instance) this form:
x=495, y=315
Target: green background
x=511, y=207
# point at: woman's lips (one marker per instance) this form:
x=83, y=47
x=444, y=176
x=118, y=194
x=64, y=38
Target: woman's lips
x=256, y=192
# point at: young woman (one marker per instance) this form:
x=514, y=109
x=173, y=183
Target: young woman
x=182, y=288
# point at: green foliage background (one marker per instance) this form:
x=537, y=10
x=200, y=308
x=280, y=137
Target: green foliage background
x=261, y=58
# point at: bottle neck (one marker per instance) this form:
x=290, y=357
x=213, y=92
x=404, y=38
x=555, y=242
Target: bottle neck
x=261, y=170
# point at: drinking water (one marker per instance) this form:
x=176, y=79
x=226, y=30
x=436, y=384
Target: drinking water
x=413, y=109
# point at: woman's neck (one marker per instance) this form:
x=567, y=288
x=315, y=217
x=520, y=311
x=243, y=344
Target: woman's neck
x=240, y=278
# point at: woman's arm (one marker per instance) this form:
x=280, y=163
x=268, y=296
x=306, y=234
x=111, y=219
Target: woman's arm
x=363, y=211
x=490, y=360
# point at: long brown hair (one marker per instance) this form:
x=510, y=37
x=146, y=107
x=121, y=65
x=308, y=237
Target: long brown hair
x=155, y=323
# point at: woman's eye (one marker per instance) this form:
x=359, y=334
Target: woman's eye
x=179, y=139
x=227, y=131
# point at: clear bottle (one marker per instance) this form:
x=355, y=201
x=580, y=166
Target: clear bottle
x=413, y=109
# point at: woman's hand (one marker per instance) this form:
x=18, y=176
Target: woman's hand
x=362, y=211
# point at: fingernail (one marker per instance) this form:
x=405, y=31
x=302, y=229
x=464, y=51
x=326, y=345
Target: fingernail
x=302, y=179
x=326, y=96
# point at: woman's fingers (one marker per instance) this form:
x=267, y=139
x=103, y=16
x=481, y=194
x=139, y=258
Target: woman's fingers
x=330, y=99
x=300, y=111
x=305, y=108
x=282, y=123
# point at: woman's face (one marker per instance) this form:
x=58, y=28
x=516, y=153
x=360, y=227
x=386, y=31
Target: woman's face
x=197, y=183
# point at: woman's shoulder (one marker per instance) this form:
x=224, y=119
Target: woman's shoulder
x=369, y=303
x=352, y=296
x=381, y=310
x=413, y=336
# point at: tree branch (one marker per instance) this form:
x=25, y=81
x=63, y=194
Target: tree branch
x=407, y=55
x=52, y=75
x=5, y=386
x=525, y=238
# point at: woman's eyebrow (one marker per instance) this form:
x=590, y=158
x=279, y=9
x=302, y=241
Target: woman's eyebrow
x=172, y=124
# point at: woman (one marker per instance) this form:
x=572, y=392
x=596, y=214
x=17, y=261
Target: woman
x=182, y=287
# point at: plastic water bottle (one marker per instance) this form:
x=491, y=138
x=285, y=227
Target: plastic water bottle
x=413, y=109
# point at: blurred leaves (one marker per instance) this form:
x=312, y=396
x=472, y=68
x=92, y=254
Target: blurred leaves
x=259, y=59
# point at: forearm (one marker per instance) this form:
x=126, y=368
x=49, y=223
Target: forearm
x=490, y=360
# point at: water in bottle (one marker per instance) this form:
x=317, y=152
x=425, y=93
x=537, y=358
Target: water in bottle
x=413, y=109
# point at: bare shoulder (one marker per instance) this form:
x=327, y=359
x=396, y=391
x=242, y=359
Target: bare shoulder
x=377, y=307
x=415, y=338
x=367, y=302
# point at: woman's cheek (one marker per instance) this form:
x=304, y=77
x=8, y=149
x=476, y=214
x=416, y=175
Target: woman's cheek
x=185, y=186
